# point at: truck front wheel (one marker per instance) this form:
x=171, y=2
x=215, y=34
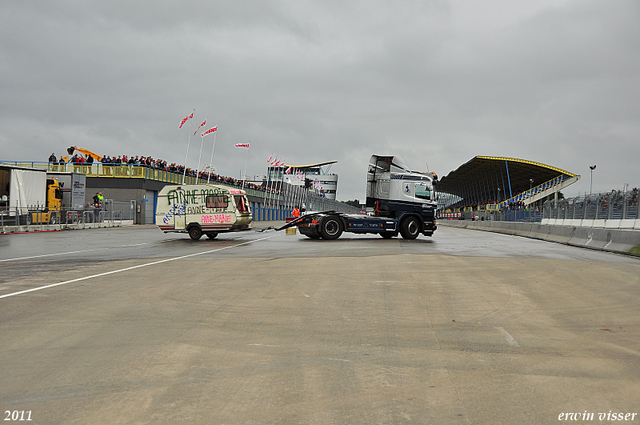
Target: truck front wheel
x=331, y=228
x=410, y=228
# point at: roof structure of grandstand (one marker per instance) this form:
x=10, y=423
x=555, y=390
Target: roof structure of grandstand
x=499, y=181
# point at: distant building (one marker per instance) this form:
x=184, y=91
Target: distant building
x=317, y=175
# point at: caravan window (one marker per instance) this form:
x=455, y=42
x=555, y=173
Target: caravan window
x=423, y=191
x=217, y=201
x=240, y=204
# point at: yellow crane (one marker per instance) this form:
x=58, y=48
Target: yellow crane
x=72, y=149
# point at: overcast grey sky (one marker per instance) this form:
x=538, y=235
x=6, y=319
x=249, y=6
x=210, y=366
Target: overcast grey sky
x=437, y=82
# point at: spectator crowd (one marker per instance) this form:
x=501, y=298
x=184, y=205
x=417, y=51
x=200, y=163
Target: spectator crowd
x=159, y=164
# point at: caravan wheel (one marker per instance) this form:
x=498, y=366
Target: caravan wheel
x=195, y=233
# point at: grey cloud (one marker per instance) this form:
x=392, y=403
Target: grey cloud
x=437, y=82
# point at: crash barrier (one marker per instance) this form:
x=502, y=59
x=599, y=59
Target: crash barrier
x=528, y=216
x=450, y=215
x=612, y=240
x=35, y=218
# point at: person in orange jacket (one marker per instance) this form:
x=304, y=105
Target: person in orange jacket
x=296, y=212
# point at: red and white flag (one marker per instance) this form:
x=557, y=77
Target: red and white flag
x=288, y=170
x=269, y=160
x=184, y=120
x=211, y=130
x=242, y=145
x=200, y=126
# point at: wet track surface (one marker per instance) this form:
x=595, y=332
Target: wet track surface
x=147, y=242
x=130, y=325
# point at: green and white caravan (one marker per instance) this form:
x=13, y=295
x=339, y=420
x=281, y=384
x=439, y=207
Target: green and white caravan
x=203, y=209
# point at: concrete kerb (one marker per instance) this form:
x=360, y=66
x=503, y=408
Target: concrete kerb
x=539, y=231
x=510, y=228
x=587, y=237
x=560, y=234
x=624, y=241
x=610, y=240
x=523, y=230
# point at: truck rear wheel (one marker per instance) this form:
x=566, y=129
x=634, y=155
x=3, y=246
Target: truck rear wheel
x=410, y=228
x=195, y=233
x=331, y=228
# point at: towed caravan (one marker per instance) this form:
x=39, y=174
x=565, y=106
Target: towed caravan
x=202, y=209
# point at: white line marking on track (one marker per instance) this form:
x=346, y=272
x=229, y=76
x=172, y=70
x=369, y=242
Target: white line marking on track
x=39, y=288
x=508, y=337
x=70, y=252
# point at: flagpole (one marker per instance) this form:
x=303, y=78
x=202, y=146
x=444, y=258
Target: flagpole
x=278, y=189
x=184, y=175
x=199, y=157
x=268, y=185
x=298, y=193
x=292, y=191
x=244, y=177
x=272, y=175
x=212, y=150
x=267, y=194
x=274, y=187
x=281, y=189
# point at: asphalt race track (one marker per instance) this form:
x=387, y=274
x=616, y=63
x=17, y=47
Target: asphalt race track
x=133, y=326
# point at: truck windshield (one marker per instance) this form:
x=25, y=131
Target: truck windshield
x=423, y=191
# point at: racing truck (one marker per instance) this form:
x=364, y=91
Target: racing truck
x=400, y=201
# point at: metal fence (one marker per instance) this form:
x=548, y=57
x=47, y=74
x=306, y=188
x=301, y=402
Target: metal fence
x=278, y=204
x=35, y=217
x=614, y=205
x=591, y=210
x=114, y=210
